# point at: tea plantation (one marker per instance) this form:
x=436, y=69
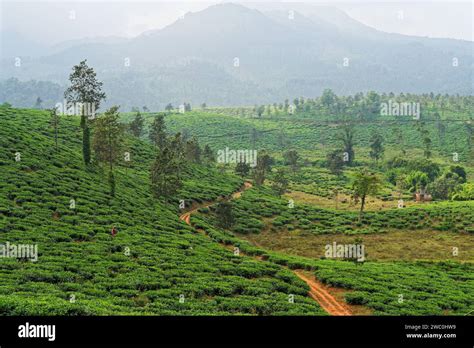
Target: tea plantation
x=156, y=265
x=387, y=288
x=260, y=202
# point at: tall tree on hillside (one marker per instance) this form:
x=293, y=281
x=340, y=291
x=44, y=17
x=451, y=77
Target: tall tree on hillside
x=470, y=132
x=398, y=134
x=328, y=98
x=165, y=173
x=335, y=162
x=365, y=184
x=136, y=126
x=260, y=110
x=242, y=169
x=253, y=137
x=169, y=107
x=107, y=141
x=208, y=154
x=376, y=147
x=54, y=121
x=281, y=139
x=38, y=103
x=264, y=162
x=193, y=151
x=280, y=182
x=440, y=126
x=157, y=132
x=87, y=90
x=177, y=146
x=347, y=138
x=425, y=138
x=291, y=158
x=225, y=214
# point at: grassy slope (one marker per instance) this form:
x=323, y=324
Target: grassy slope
x=315, y=138
x=77, y=255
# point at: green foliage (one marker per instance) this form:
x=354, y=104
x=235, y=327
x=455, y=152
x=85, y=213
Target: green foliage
x=242, y=169
x=404, y=288
x=86, y=90
x=224, y=214
x=280, y=182
x=417, y=181
x=365, y=184
x=376, y=147
x=166, y=174
x=157, y=133
x=464, y=192
x=77, y=255
x=136, y=126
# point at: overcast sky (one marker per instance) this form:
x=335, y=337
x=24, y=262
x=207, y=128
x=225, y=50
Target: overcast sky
x=55, y=21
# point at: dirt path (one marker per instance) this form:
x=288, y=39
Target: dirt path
x=316, y=290
x=324, y=298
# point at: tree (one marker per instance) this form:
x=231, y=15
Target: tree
x=253, y=137
x=291, y=158
x=335, y=162
x=398, y=134
x=264, y=162
x=425, y=137
x=38, y=103
x=347, y=138
x=165, y=174
x=86, y=144
x=145, y=108
x=328, y=98
x=87, y=90
x=177, y=146
x=225, y=214
x=107, y=141
x=363, y=185
x=54, y=121
x=193, y=151
x=208, y=154
x=169, y=107
x=203, y=106
x=464, y=192
x=376, y=147
x=242, y=169
x=281, y=139
x=280, y=182
x=260, y=110
x=444, y=186
x=157, y=132
x=417, y=182
x=460, y=171
x=136, y=126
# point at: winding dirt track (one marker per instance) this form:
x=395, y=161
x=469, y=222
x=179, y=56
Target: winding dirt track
x=324, y=298
x=316, y=291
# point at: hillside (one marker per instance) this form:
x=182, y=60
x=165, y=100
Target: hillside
x=153, y=261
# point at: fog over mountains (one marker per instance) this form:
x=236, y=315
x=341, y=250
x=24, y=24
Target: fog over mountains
x=229, y=54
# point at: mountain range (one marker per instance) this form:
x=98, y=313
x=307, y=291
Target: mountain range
x=229, y=54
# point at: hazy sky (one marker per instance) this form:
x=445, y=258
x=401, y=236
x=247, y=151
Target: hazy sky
x=66, y=20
